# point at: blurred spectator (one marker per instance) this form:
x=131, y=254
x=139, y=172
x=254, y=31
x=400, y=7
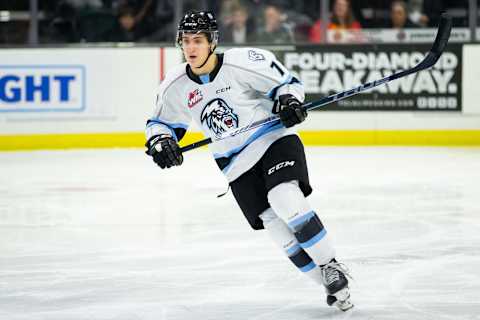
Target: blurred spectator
x=64, y=24
x=425, y=13
x=342, y=18
x=399, y=16
x=372, y=13
x=293, y=17
x=133, y=21
x=299, y=23
x=225, y=11
x=163, y=26
x=240, y=29
x=274, y=29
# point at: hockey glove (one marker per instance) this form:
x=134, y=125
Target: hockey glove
x=291, y=110
x=165, y=151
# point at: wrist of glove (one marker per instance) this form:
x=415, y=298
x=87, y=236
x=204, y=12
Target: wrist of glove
x=291, y=110
x=165, y=151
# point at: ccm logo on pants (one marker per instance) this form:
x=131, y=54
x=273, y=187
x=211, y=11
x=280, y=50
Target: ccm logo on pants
x=280, y=166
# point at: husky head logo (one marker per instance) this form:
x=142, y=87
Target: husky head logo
x=219, y=117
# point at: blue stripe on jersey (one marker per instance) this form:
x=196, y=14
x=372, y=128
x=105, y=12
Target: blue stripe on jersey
x=205, y=78
x=273, y=92
x=234, y=152
x=302, y=219
x=308, y=267
x=314, y=240
x=171, y=126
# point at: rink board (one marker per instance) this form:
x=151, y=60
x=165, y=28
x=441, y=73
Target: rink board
x=101, y=97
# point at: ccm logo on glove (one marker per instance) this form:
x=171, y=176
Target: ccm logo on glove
x=280, y=166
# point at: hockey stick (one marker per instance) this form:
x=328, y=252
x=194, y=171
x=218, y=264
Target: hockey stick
x=441, y=40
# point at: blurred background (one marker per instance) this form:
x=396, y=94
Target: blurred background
x=35, y=22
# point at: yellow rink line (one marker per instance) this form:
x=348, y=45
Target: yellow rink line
x=310, y=138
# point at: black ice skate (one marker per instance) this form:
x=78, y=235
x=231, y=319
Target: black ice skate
x=334, y=277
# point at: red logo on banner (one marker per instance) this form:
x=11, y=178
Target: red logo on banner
x=194, y=97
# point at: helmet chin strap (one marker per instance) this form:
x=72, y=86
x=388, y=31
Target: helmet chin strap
x=209, y=54
x=206, y=59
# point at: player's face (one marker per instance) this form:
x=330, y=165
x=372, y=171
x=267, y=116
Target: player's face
x=195, y=48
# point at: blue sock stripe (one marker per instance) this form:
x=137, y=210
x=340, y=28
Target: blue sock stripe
x=308, y=267
x=314, y=240
x=293, y=250
x=302, y=219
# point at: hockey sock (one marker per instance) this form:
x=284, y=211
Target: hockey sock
x=287, y=200
x=284, y=238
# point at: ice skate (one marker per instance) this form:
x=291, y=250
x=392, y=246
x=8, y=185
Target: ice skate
x=334, y=277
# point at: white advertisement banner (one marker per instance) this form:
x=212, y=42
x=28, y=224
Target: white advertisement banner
x=77, y=89
x=426, y=35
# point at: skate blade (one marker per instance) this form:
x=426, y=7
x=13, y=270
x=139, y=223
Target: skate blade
x=344, y=305
x=341, y=300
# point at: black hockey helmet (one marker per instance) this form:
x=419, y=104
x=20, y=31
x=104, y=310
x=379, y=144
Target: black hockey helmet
x=199, y=22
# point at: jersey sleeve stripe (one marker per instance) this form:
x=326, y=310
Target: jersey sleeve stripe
x=169, y=125
x=272, y=94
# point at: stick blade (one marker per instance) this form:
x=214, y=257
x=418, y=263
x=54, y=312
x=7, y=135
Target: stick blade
x=443, y=34
x=441, y=40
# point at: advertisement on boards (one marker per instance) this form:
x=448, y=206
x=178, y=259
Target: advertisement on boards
x=325, y=70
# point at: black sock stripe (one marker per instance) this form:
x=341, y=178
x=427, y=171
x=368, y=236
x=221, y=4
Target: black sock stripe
x=300, y=258
x=309, y=230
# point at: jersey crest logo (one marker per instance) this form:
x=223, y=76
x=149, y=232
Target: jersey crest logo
x=255, y=56
x=219, y=117
x=194, y=97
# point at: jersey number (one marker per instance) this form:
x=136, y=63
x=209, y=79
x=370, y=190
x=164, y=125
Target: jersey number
x=277, y=67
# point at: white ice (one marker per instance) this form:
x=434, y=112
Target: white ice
x=107, y=235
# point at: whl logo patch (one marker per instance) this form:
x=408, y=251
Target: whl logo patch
x=194, y=97
x=281, y=165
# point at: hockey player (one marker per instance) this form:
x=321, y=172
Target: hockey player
x=265, y=167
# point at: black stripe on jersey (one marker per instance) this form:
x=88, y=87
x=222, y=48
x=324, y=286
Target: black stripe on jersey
x=180, y=132
x=300, y=258
x=273, y=92
x=309, y=229
x=213, y=74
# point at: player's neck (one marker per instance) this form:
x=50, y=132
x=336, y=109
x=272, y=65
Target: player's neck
x=207, y=67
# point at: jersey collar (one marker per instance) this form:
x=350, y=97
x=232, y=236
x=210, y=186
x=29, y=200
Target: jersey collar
x=212, y=74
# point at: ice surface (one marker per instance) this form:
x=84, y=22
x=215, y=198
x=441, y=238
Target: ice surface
x=107, y=235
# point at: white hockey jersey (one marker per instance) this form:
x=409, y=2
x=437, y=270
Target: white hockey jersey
x=241, y=90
